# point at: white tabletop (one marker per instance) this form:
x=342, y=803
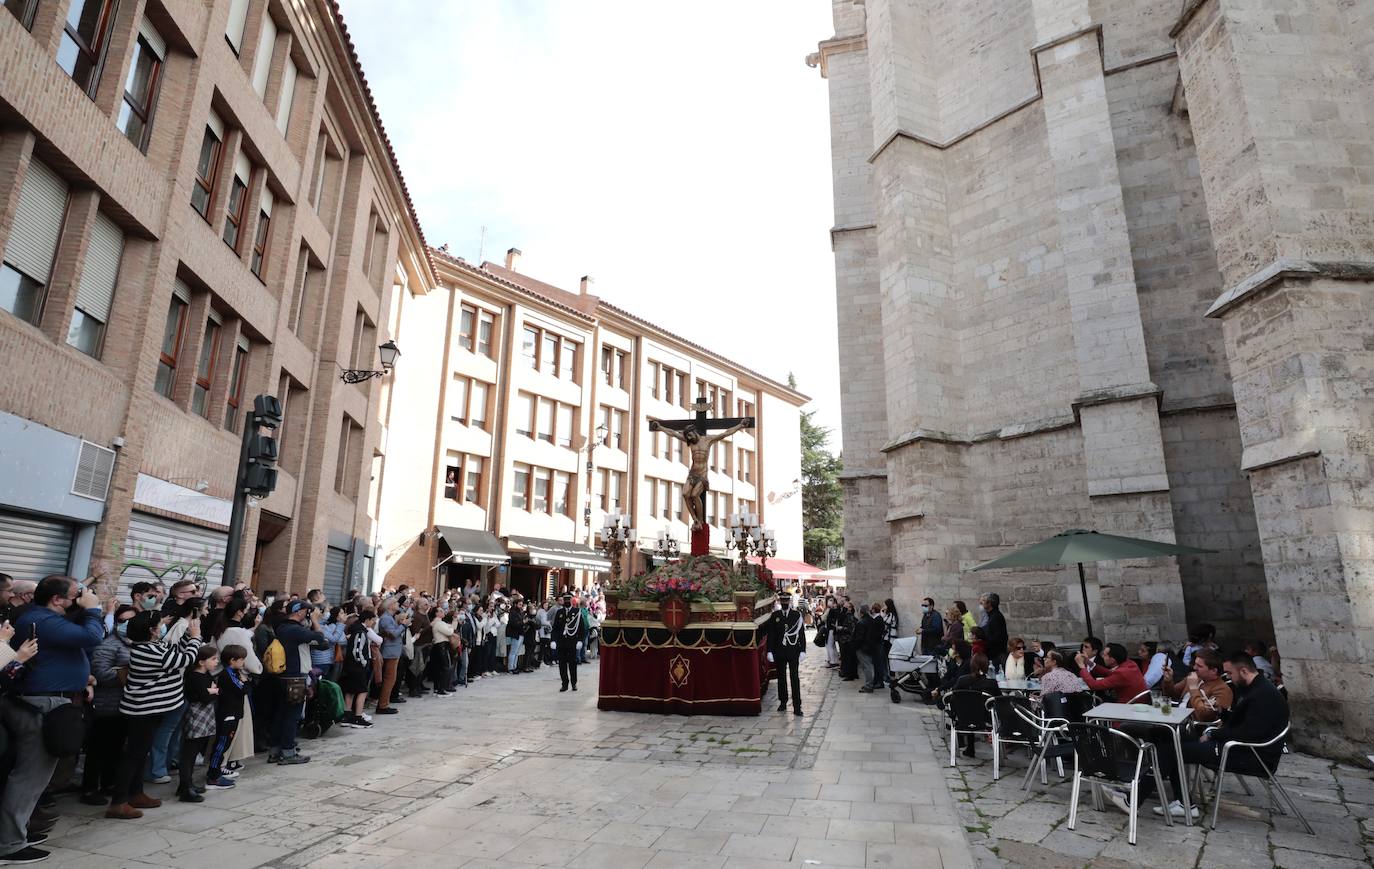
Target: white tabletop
x=1019, y=684
x=1139, y=712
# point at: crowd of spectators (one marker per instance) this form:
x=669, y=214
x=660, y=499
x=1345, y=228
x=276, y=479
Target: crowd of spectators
x=102, y=698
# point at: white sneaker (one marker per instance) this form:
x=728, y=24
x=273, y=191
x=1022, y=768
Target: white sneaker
x=1176, y=809
x=1119, y=800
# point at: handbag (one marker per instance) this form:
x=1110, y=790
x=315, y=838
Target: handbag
x=294, y=688
x=819, y=639
x=63, y=728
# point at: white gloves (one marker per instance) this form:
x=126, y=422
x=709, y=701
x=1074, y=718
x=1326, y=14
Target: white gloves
x=770, y=657
x=553, y=646
x=579, y=647
x=803, y=658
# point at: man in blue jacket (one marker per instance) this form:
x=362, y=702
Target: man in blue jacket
x=59, y=674
x=300, y=629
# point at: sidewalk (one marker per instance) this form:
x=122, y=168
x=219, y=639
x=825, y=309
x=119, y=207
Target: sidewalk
x=512, y=772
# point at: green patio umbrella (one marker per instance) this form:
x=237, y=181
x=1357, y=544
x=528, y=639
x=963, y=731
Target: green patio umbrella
x=1077, y=546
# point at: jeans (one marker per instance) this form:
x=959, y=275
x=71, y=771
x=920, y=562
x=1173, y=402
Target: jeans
x=513, y=647
x=865, y=666
x=879, y=672
x=463, y=667
x=166, y=742
x=289, y=717
x=32, y=770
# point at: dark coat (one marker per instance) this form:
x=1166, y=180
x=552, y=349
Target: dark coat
x=780, y=625
x=1259, y=713
x=996, y=629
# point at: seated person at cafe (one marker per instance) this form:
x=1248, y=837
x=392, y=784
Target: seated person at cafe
x=1091, y=649
x=1116, y=673
x=956, y=667
x=1153, y=659
x=1260, y=713
x=1259, y=651
x=1041, y=648
x=1203, y=689
x=976, y=679
x=1018, y=664
x=1055, y=676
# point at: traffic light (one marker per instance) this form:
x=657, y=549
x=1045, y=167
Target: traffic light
x=259, y=472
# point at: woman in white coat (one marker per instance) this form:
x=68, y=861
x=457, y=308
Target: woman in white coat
x=241, y=622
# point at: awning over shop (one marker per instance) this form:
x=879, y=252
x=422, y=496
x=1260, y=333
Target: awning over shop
x=472, y=546
x=559, y=554
x=784, y=569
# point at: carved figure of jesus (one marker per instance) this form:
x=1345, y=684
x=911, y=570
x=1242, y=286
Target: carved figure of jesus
x=694, y=492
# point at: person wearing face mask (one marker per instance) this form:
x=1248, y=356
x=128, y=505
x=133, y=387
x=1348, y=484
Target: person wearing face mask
x=144, y=597
x=786, y=650
x=932, y=628
x=105, y=741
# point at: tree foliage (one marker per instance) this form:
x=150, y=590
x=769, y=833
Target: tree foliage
x=822, y=501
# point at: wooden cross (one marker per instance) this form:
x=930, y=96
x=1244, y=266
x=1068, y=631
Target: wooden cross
x=700, y=423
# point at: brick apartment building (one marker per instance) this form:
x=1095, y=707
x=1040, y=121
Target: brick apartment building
x=520, y=418
x=198, y=204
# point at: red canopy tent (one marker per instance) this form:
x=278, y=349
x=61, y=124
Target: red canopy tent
x=793, y=570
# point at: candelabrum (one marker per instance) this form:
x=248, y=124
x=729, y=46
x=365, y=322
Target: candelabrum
x=746, y=536
x=616, y=537
x=666, y=546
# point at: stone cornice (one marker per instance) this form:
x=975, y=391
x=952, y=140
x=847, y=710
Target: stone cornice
x=1094, y=30
x=832, y=46
x=1285, y=268
x=839, y=230
x=1115, y=394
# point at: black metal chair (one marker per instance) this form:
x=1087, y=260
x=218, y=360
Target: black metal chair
x=1049, y=732
x=1106, y=755
x=968, y=716
x=1267, y=777
x=1009, y=727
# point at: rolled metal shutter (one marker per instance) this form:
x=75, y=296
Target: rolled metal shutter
x=37, y=222
x=170, y=551
x=95, y=293
x=32, y=548
x=335, y=573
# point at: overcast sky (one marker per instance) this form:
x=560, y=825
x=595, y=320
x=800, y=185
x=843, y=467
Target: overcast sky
x=677, y=153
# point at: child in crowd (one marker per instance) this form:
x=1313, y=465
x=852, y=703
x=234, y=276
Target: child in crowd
x=199, y=724
x=357, y=669
x=228, y=715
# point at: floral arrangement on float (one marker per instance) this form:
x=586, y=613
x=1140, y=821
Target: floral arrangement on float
x=700, y=579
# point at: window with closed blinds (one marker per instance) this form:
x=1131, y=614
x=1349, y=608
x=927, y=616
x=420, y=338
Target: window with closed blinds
x=262, y=62
x=335, y=573
x=288, y=93
x=95, y=293
x=238, y=17
x=37, y=222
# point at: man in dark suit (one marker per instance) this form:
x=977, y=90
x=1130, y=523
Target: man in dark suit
x=569, y=636
x=787, y=649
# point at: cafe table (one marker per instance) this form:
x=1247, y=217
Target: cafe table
x=1150, y=716
x=1019, y=686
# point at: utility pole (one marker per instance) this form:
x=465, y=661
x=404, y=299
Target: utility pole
x=256, y=474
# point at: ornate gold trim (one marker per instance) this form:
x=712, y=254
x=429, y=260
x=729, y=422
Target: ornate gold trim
x=682, y=700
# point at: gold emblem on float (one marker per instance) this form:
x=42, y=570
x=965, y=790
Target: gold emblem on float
x=679, y=671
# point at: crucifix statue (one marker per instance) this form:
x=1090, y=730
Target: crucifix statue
x=696, y=434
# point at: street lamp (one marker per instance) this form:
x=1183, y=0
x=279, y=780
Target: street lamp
x=616, y=537
x=588, y=447
x=388, y=352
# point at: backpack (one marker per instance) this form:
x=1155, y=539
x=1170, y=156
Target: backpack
x=274, y=659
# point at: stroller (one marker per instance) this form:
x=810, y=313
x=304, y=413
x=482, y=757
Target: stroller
x=322, y=710
x=909, y=669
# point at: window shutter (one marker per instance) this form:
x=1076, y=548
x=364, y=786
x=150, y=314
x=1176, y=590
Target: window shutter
x=265, y=202
x=153, y=38
x=238, y=16
x=262, y=63
x=181, y=290
x=243, y=168
x=37, y=222
x=95, y=294
x=288, y=93
x=216, y=126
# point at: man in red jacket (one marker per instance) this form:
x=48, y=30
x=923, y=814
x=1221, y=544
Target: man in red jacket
x=1116, y=673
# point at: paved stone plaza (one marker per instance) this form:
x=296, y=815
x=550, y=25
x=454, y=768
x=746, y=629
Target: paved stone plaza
x=513, y=772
